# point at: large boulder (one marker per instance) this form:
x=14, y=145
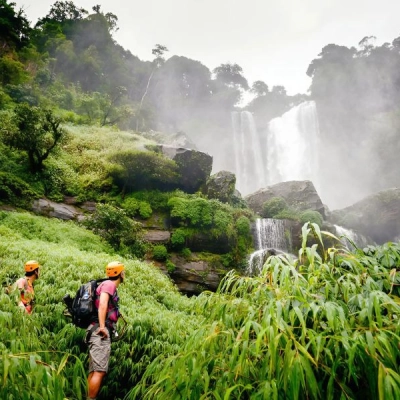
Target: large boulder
x=56, y=210
x=221, y=186
x=377, y=216
x=299, y=195
x=194, y=166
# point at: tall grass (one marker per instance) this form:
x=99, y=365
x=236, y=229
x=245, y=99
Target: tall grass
x=42, y=355
x=325, y=327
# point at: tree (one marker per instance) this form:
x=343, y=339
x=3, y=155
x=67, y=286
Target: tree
x=181, y=88
x=231, y=75
x=259, y=88
x=280, y=90
x=110, y=18
x=62, y=11
x=14, y=27
x=158, y=52
x=36, y=131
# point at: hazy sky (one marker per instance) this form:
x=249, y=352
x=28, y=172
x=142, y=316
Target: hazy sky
x=272, y=40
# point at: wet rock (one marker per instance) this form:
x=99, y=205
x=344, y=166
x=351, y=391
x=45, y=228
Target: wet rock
x=193, y=166
x=56, y=210
x=299, y=195
x=221, y=186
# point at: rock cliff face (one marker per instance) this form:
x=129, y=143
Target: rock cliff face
x=377, y=216
x=300, y=195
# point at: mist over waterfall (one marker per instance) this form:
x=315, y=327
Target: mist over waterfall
x=288, y=150
x=249, y=163
x=293, y=146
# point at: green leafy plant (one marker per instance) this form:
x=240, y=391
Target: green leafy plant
x=160, y=252
x=323, y=326
x=114, y=226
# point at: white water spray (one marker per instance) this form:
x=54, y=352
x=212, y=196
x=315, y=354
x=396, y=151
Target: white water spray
x=358, y=240
x=293, y=146
x=250, y=168
x=269, y=234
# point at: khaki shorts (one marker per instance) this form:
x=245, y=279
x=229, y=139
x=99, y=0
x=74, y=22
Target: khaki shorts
x=99, y=352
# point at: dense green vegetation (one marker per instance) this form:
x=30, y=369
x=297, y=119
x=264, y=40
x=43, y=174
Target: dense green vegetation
x=323, y=326
x=74, y=106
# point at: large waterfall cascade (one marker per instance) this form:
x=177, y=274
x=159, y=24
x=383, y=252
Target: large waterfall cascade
x=293, y=145
x=288, y=150
x=269, y=234
x=249, y=163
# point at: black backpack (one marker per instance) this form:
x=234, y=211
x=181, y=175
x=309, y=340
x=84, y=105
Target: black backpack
x=81, y=309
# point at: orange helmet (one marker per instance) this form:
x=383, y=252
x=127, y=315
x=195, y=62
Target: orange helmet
x=114, y=268
x=31, y=265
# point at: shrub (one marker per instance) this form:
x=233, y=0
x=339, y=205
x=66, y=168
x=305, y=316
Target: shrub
x=171, y=267
x=59, y=179
x=15, y=190
x=160, y=252
x=288, y=214
x=131, y=206
x=178, y=237
x=145, y=210
x=186, y=253
x=114, y=226
x=311, y=216
x=243, y=225
x=142, y=170
x=134, y=207
x=273, y=206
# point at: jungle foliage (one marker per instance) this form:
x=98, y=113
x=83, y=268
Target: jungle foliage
x=324, y=325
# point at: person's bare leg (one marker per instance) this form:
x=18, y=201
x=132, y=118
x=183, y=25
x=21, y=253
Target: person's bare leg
x=94, y=382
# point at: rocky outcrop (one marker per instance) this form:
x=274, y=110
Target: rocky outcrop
x=377, y=216
x=299, y=195
x=193, y=277
x=221, y=186
x=157, y=236
x=194, y=166
x=56, y=210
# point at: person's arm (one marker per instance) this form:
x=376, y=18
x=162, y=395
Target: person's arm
x=103, y=307
x=20, y=284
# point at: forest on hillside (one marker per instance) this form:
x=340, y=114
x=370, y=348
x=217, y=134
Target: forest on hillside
x=76, y=114
x=69, y=62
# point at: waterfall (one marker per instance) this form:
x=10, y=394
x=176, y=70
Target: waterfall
x=293, y=145
x=250, y=168
x=359, y=240
x=269, y=234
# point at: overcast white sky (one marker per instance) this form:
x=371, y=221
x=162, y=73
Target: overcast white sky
x=272, y=40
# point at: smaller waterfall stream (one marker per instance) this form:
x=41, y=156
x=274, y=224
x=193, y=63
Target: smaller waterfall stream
x=269, y=235
x=358, y=240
